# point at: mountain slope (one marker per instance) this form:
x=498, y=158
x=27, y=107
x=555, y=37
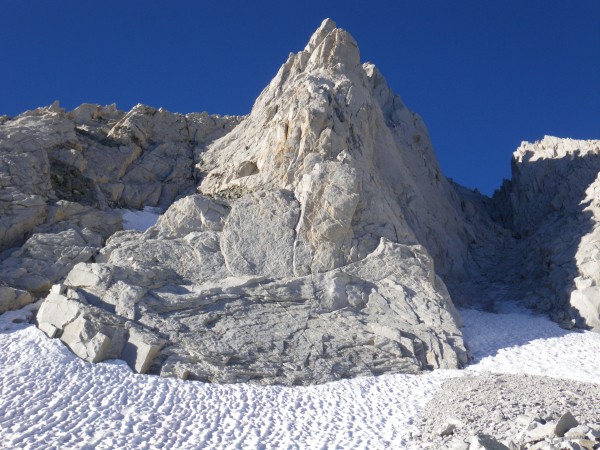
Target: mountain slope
x=305, y=258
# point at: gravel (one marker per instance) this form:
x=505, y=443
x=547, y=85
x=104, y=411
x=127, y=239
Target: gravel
x=503, y=407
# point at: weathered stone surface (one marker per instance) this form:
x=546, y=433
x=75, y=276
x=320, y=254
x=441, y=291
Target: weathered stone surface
x=11, y=298
x=372, y=316
x=25, y=170
x=140, y=349
x=259, y=234
x=81, y=337
x=93, y=334
x=359, y=163
x=58, y=311
x=60, y=171
x=301, y=261
x=189, y=214
x=71, y=233
x=564, y=424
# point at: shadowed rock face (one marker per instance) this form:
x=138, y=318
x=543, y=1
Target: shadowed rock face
x=552, y=206
x=308, y=255
x=536, y=240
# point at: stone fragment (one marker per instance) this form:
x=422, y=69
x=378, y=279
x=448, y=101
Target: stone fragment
x=95, y=276
x=536, y=432
x=58, y=311
x=578, y=432
x=446, y=429
x=485, y=442
x=193, y=213
x=586, y=303
x=565, y=423
x=12, y=298
x=174, y=368
x=81, y=338
x=140, y=349
x=50, y=330
x=459, y=445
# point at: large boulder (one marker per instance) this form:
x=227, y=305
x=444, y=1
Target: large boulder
x=388, y=312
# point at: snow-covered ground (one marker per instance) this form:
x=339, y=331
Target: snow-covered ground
x=49, y=399
x=140, y=220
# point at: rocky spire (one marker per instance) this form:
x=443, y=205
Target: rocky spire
x=307, y=255
x=358, y=161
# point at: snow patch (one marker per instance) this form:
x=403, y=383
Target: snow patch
x=530, y=344
x=140, y=220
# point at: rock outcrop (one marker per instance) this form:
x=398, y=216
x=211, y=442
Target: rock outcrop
x=61, y=172
x=97, y=156
x=359, y=164
x=552, y=209
x=312, y=252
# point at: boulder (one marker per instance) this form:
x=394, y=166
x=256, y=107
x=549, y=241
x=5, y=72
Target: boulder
x=564, y=424
x=12, y=298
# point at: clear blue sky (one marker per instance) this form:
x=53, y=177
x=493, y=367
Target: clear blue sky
x=484, y=75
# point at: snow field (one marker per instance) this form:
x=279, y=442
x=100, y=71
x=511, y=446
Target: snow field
x=529, y=344
x=50, y=399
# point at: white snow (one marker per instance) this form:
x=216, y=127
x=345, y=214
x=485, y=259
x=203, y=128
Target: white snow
x=140, y=220
x=520, y=342
x=52, y=400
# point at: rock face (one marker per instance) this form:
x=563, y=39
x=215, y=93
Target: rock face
x=309, y=255
x=357, y=163
x=96, y=156
x=61, y=171
x=552, y=208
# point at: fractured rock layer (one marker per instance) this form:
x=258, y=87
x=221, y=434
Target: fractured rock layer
x=310, y=255
x=60, y=171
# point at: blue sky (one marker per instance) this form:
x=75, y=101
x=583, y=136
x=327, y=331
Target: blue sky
x=484, y=75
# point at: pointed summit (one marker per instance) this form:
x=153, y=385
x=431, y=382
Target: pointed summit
x=330, y=46
x=359, y=163
x=327, y=26
x=309, y=255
